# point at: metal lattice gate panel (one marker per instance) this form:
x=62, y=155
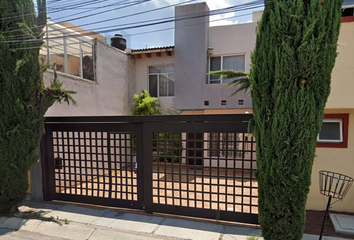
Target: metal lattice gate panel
x=199, y=166
x=95, y=166
x=204, y=173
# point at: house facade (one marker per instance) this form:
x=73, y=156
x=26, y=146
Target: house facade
x=199, y=49
x=106, y=79
x=101, y=75
x=181, y=81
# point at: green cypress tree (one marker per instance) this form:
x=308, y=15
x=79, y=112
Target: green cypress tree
x=290, y=83
x=23, y=97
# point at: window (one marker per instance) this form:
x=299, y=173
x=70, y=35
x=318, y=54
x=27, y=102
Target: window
x=348, y=11
x=161, y=81
x=334, y=131
x=236, y=62
x=224, y=145
x=68, y=54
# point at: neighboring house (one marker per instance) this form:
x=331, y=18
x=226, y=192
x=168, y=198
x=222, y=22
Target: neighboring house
x=102, y=75
x=177, y=75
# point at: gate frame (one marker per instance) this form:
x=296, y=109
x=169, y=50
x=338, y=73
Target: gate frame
x=144, y=128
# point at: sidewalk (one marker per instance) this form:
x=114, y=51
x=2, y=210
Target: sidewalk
x=66, y=221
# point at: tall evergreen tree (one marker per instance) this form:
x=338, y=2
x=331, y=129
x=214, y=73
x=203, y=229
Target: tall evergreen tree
x=290, y=83
x=23, y=97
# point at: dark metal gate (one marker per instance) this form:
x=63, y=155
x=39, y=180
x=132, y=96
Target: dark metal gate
x=200, y=165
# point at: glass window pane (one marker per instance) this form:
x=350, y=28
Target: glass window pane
x=163, y=85
x=162, y=69
x=171, y=85
x=215, y=65
x=73, y=53
x=153, y=85
x=154, y=70
x=330, y=131
x=236, y=63
x=43, y=53
x=56, y=51
x=167, y=68
x=87, y=61
x=165, y=76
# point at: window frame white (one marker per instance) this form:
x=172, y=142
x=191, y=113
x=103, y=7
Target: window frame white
x=67, y=33
x=222, y=65
x=158, y=80
x=336, y=120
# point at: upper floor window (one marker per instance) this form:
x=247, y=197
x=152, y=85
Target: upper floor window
x=67, y=53
x=161, y=81
x=334, y=131
x=235, y=62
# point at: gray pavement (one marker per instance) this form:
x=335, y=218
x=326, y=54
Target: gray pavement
x=343, y=223
x=67, y=221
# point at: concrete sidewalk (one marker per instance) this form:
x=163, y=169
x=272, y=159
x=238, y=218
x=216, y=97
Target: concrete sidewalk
x=66, y=221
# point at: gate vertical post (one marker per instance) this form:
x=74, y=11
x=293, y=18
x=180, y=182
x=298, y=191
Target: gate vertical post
x=146, y=161
x=47, y=160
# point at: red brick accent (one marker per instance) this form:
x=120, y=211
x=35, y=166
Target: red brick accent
x=344, y=144
x=348, y=19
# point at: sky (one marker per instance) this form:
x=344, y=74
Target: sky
x=109, y=17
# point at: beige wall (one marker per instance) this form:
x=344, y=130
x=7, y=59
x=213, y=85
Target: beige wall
x=340, y=101
x=340, y=160
x=233, y=40
x=142, y=74
x=343, y=73
x=111, y=94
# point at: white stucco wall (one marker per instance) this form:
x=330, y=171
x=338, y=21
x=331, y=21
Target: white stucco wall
x=142, y=74
x=233, y=40
x=112, y=92
x=239, y=39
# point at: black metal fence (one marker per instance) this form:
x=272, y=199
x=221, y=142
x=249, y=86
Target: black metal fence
x=200, y=165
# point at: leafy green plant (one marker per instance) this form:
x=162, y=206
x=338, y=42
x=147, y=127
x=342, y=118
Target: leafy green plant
x=253, y=237
x=173, y=152
x=239, y=79
x=144, y=104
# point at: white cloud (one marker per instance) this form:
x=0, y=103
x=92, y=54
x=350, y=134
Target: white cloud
x=216, y=20
x=219, y=20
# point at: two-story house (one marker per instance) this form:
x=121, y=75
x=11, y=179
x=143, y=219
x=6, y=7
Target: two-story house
x=106, y=79
x=101, y=75
x=177, y=75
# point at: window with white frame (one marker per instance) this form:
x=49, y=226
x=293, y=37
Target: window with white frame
x=67, y=53
x=161, y=81
x=235, y=62
x=331, y=131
